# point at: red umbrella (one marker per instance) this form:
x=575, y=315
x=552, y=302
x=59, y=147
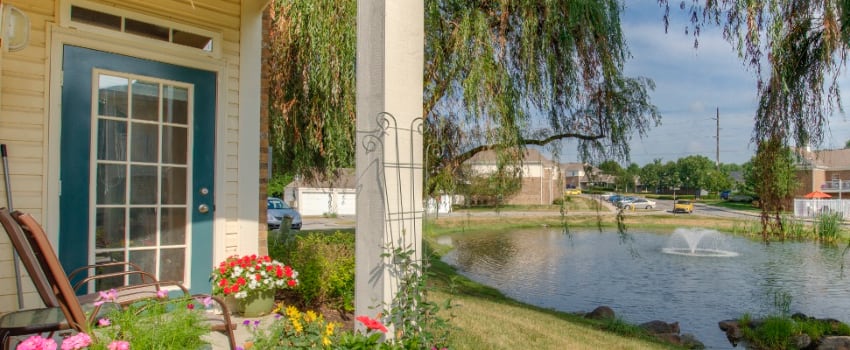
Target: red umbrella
x=817, y=194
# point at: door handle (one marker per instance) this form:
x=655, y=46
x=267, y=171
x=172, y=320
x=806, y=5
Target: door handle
x=203, y=209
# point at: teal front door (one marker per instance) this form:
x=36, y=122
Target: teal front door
x=137, y=161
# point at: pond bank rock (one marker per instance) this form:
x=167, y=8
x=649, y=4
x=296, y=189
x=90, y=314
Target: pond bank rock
x=600, y=313
x=835, y=343
x=669, y=332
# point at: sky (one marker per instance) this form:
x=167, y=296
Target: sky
x=691, y=85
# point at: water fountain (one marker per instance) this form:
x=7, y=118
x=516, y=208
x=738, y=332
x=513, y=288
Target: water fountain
x=693, y=238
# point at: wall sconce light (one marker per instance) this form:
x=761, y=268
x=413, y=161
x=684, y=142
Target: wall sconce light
x=14, y=28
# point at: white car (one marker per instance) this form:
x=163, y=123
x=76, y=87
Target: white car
x=640, y=203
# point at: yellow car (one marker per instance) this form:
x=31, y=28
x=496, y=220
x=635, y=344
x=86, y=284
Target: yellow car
x=573, y=192
x=683, y=206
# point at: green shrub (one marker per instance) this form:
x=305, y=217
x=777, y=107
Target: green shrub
x=774, y=333
x=794, y=228
x=829, y=226
x=325, y=265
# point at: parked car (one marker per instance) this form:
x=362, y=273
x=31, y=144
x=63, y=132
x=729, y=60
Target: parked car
x=640, y=203
x=572, y=192
x=725, y=195
x=614, y=198
x=605, y=196
x=277, y=210
x=683, y=206
x=624, y=201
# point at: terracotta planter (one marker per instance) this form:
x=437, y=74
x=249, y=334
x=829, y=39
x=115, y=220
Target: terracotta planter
x=256, y=304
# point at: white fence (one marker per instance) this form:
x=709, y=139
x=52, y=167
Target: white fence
x=810, y=208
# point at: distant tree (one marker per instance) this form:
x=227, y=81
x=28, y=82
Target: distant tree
x=847, y=144
x=611, y=167
x=650, y=175
x=771, y=173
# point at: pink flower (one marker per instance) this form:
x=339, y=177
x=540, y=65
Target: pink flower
x=207, y=301
x=162, y=294
x=119, y=345
x=76, y=342
x=36, y=342
x=103, y=322
x=108, y=296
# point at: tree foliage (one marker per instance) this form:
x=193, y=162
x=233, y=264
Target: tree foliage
x=311, y=85
x=803, y=45
x=500, y=75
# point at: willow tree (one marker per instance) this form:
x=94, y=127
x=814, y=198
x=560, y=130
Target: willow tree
x=797, y=49
x=499, y=75
x=311, y=60
x=502, y=75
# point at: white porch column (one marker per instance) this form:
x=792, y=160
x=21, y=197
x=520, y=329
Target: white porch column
x=390, y=50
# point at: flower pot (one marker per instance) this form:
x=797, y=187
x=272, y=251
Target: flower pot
x=256, y=304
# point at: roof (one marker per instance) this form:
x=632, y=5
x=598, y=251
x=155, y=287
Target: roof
x=530, y=156
x=344, y=178
x=830, y=158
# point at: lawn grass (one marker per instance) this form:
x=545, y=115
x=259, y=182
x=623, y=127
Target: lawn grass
x=483, y=318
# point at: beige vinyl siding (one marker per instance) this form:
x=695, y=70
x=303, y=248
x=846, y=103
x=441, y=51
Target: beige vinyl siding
x=24, y=114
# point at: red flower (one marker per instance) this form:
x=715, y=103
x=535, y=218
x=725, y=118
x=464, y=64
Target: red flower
x=240, y=281
x=223, y=283
x=258, y=277
x=292, y=283
x=372, y=323
x=288, y=271
x=192, y=307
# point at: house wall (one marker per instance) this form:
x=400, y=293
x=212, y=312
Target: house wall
x=29, y=113
x=538, y=190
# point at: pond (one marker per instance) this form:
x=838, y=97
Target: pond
x=653, y=276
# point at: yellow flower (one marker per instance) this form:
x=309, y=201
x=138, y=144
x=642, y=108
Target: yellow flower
x=310, y=316
x=278, y=307
x=297, y=325
x=326, y=341
x=329, y=330
x=293, y=312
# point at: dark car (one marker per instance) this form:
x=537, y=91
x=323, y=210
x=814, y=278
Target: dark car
x=278, y=211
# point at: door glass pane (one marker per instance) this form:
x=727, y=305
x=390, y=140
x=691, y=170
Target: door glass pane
x=145, y=143
x=145, y=258
x=112, y=96
x=172, y=264
x=111, y=183
x=111, y=140
x=175, y=105
x=109, y=228
x=174, y=145
x=142, y=176
x=145, y=100
x=173, y=226
x=143, y=183
x=112, y=282
x=143, y=227
x=173, y=185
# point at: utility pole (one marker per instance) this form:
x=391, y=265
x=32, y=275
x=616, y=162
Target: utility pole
x=717, y=139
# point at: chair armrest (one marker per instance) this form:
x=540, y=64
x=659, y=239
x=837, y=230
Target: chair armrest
x=126, y=265
x=143, y=275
